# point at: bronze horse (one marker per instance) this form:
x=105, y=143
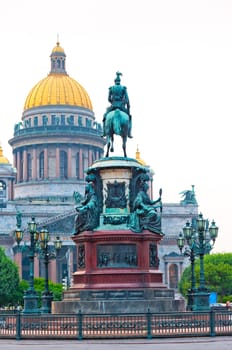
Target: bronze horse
x=116, y=123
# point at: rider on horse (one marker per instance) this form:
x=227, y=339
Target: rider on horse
x=118, y=98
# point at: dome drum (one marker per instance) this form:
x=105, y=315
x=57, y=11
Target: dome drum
x=59, y=119
x=40, y=135
x=57, y=109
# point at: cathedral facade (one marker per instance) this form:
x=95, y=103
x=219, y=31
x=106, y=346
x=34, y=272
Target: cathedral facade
x=53, y=145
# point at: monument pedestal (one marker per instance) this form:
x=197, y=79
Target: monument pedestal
x=117, y=272
x=117, y=254
x=117, y=259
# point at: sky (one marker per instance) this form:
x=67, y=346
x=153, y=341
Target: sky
x=176, y=61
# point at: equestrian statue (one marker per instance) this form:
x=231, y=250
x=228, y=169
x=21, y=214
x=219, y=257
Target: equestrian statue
x=117, y=118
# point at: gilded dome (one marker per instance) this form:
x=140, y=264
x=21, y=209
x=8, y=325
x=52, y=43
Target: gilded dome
x=58, y=48
x=3, y=160
x=58, y=88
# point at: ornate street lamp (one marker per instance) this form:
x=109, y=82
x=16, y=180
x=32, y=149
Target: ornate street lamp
x=200, y=240
x=58, y=243
x=18, y=234
x=46, y=254
x=39, y=244
x=30, y=296
x=187, y=230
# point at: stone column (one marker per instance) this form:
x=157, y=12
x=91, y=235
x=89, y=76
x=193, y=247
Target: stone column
x=24, y=165
x=52, y=271
x=15, y=160
x=46, y=170
x=57, y=162
x=90, y=157
x=9, y=190
x=34, y=164
x=18, y=166
x=12, y=189
x=81, y=172
x=69, y=162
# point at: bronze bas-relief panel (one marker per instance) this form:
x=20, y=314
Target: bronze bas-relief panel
x=117, y=255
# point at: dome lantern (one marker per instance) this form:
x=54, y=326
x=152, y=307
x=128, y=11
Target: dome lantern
x=58, y=58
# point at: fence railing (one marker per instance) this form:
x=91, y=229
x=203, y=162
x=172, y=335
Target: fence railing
x=89, y=326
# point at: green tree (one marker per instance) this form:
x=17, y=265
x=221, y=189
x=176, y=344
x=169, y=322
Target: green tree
x=218, y=275
x=12, y=288
x=9, y=281
x=55, y=288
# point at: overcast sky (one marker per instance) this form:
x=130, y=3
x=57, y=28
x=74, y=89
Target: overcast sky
x=176, y=60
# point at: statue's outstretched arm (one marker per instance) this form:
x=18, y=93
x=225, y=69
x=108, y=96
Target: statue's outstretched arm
x=157, y=200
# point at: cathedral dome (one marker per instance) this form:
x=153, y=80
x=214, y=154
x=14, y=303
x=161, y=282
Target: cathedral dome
x=58, y=88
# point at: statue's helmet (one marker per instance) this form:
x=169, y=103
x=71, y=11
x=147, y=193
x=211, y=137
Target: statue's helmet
x=117, y=80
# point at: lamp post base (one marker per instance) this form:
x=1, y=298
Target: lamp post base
x=201, y=300
x=190, y=302
x=46, y=302
x=31, y=303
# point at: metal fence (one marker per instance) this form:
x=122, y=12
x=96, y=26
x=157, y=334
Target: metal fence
x=89, y=326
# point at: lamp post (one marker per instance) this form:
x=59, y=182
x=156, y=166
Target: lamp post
x=187, y=229
x=200, y=240
x=47, y=254
x=44, y=252
x=30, y=296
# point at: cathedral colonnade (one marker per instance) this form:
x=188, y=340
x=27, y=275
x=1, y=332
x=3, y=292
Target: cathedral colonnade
x=53, y=161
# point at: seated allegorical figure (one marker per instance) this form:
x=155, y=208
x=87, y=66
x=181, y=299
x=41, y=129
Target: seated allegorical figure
x=87, y=217
x=145, y=215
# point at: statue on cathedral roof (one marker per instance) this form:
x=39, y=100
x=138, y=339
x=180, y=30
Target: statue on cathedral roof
x=19, y=218
x=189, y=196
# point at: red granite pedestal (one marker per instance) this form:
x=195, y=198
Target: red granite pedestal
x=117, y=272
x=117, y=259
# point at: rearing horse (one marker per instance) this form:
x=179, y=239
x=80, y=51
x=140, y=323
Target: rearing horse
x=117, y=122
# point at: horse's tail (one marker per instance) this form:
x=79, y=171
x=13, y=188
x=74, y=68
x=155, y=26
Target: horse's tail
x=121, y=122
x=117, y=122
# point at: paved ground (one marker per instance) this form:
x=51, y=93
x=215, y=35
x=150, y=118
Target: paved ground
x=214, y=343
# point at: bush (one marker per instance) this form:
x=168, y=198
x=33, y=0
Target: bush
x=39, y=283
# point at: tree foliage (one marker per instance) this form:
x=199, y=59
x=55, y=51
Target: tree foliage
x=55, y=288
x=12, y=288
x=39, y=283
x=9, y=280
x=218, y=275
